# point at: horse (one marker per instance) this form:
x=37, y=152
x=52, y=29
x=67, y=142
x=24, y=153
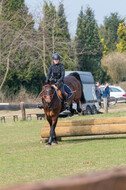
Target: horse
x=53, y=106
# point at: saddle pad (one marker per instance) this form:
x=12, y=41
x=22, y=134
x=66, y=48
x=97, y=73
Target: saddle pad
x=68, y=93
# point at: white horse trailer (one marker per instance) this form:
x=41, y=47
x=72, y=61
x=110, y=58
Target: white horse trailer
x=89, y=95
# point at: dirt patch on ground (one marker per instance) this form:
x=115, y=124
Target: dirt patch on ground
x=116, y=108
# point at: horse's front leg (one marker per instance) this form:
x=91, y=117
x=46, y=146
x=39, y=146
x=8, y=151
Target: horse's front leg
x=52, y=131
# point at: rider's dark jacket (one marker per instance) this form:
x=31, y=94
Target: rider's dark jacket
x=56, y=73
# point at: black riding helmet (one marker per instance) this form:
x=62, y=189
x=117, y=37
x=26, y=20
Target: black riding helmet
x=56, y=56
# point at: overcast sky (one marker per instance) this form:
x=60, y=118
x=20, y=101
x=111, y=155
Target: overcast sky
x=101, y=9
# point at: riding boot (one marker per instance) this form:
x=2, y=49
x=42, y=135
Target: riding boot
x=65, y=103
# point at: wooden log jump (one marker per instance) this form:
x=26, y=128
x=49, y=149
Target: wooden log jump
x=104, y=126
x=110, y=120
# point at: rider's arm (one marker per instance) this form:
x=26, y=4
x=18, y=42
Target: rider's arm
x=48, y=73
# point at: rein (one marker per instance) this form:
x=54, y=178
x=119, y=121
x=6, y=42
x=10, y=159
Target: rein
x=51, y=96
x=44, y=88
x=55, y=87
x=42, y=91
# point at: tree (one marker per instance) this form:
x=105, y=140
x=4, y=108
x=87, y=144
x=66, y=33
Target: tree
x=89, y=47
x=114, y=64
x=121, y=46
x=18, y=60
x=109, y=30
x=54, y=36
x=62, y=38
x=105, y=49
x=45, y=35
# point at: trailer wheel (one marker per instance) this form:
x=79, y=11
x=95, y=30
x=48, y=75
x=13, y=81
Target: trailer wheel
x=88, y=110
x=94, y=110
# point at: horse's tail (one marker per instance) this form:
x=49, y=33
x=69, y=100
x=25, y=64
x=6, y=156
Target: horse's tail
x=77, y=76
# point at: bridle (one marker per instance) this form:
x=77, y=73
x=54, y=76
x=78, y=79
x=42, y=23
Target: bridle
x=44, y=96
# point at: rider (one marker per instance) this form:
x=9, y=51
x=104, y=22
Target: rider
x=55, y=74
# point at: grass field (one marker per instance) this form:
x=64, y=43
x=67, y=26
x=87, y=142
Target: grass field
x=24, y=159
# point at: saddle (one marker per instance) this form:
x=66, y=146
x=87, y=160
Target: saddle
x=67, y=90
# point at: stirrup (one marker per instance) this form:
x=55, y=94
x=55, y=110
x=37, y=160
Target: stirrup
x=40, y=106
x=66, y=105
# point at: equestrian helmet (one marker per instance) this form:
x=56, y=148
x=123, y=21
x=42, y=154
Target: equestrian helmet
x=56, y=56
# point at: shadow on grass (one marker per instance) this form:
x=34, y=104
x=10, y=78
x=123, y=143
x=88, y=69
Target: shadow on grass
x=85, y=139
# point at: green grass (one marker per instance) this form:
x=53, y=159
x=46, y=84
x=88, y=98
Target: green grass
x=24, y=159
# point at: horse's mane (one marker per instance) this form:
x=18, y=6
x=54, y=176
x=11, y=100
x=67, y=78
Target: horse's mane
x=77, y=76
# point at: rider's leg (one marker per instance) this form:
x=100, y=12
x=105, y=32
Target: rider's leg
x=64, y=96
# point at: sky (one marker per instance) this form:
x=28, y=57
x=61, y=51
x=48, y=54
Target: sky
x=72, y=9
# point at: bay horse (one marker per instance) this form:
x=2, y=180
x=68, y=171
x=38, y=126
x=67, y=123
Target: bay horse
x=53, y=106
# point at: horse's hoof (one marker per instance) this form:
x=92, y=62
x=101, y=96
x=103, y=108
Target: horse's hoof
x=48, y=145
x=55, y=143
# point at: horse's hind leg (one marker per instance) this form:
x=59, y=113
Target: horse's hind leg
x=79, y=109
x=71, y=109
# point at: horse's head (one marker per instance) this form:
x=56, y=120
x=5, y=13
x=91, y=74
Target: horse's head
x=47, y=94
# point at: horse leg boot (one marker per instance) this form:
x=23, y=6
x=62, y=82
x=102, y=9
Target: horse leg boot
x=54, y=139
x=51, y=137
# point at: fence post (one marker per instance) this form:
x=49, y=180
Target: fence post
x=23, y=110
x=105, y=105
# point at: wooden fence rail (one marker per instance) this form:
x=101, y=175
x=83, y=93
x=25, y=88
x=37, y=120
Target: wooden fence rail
x=15, y=107
x=107, y=180
x=22, y=106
